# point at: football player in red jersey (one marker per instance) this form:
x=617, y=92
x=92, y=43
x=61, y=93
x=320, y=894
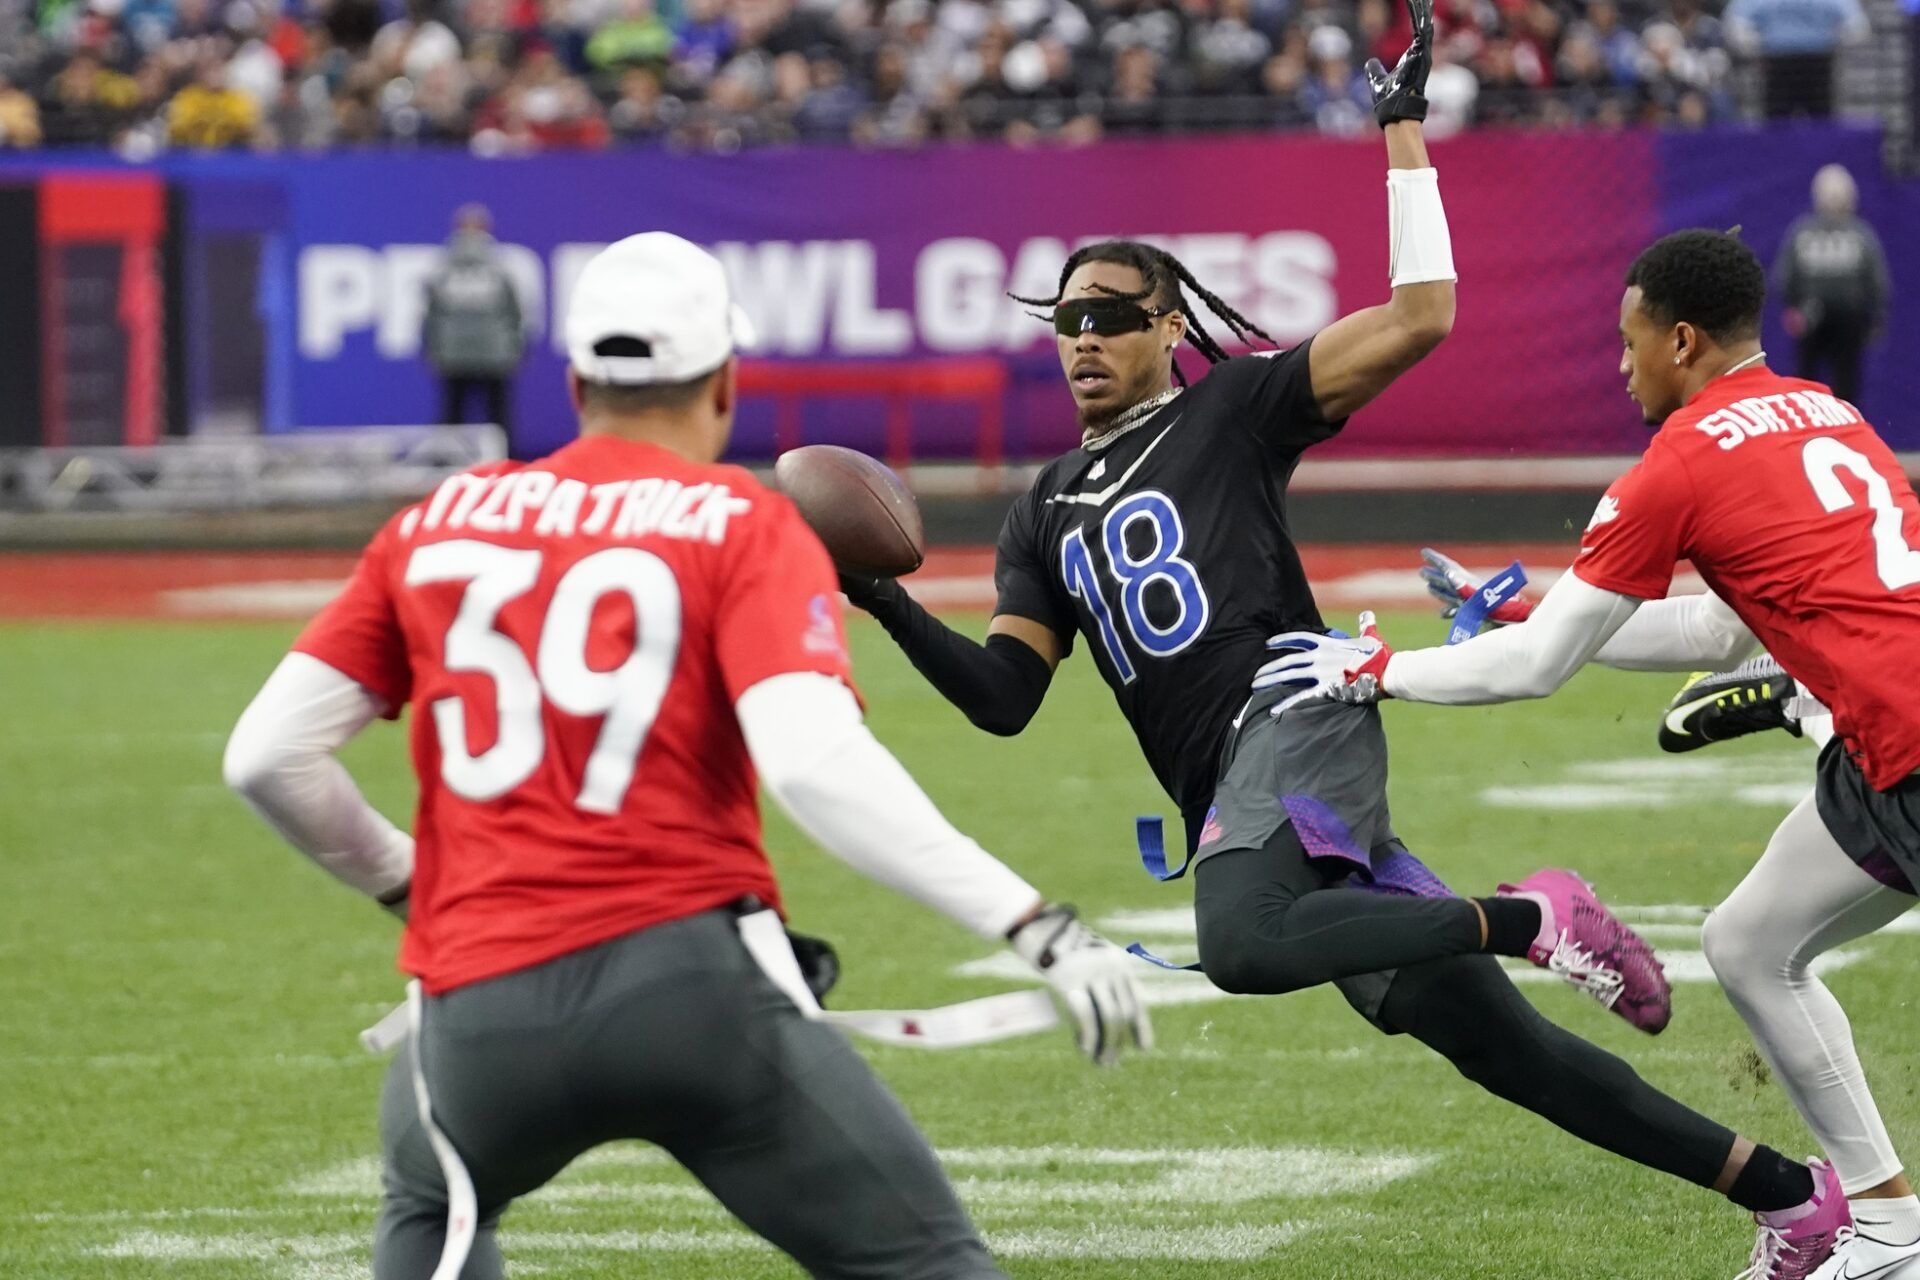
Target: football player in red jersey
x=1807, y=533
x=602, y=650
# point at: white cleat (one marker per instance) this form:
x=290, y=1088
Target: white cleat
x=1861, y=1257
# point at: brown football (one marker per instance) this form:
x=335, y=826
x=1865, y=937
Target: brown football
x=859, y=508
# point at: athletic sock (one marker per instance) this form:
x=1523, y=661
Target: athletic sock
x=1892, y=1221
x=1512, y=925
x=1771, y=1182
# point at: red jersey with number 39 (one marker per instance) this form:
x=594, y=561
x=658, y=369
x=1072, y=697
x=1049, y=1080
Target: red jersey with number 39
x=572, y=636
x=1798, y=516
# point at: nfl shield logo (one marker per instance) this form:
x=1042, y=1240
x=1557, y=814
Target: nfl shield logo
x=1210, y=830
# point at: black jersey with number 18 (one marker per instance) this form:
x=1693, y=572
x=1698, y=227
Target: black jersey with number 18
x=1168, y=548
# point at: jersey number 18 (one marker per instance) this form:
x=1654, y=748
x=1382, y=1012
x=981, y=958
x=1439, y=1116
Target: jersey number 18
x=1161, y=564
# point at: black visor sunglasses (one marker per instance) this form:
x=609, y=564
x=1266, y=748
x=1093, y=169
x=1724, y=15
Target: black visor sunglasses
x=1107, y=317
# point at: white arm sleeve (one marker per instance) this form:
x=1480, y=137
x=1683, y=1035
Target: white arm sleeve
x=821, y=764
x=1528, y=660
x=1419, y=248
x=280, y=759
x=1681, y=633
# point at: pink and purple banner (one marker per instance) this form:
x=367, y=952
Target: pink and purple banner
x=847, y=255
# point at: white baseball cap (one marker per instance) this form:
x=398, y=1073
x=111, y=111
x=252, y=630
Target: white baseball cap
x=664, y=292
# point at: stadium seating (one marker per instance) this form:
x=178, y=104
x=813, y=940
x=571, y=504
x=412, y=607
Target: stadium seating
x=511, y=76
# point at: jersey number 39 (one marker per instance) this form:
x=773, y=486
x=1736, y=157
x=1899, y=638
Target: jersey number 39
x=1136, y=574
x=629, y=695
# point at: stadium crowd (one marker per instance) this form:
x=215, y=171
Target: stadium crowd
x=507, y=76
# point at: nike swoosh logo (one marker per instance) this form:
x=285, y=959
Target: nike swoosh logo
x=1851, y=1274
x=1676, y=718
x=1099, y=497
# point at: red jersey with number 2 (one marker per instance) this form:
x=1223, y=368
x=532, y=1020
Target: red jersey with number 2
x=572, y=636
x=1798, y=516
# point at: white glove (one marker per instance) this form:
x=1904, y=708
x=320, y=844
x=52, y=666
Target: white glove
x=1328, y=668
x=1091, y=976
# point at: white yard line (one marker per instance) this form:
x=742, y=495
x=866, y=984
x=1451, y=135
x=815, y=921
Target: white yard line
x=1177, y=1183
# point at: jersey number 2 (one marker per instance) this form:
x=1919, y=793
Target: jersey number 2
x=1825, y=458
x=1161, y=564
x=629, y=695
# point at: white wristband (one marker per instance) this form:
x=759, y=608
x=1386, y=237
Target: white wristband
x=1419, y=249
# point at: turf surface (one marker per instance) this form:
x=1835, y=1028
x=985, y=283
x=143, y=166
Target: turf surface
x=183, y=1096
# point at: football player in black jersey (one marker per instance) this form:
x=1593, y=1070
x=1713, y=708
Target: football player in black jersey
x=1163, y=541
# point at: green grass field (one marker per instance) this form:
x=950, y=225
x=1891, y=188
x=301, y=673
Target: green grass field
x=179, y=995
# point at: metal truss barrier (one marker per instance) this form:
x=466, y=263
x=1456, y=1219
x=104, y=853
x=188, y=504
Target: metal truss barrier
x=303, y=469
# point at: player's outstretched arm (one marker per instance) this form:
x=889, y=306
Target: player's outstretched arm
x=1355, y=358
x=998, y=685
x=821, y=764
x=1528, y=660
x=1680, y=633
x=280, y=760
x=1531, y=660
x=1698, y=632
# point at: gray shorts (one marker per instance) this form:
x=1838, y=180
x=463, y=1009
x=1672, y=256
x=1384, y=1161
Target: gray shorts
x=673, y=1035
x=1880, y=830
x=1321, y=768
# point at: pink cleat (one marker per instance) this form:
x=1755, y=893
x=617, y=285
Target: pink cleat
x=1593, y=950
x=1794, y=1242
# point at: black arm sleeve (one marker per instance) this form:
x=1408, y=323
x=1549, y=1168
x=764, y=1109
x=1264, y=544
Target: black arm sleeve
x=998, y=685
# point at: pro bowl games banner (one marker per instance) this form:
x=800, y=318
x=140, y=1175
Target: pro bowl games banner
x=850, y=255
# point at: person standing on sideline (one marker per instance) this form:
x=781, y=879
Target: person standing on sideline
x=1796, y=42
x=473, y=331
x=1832, y=276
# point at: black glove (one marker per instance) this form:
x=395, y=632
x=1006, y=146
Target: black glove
x=865, y=591
x=819, y=963
x=1401, y=94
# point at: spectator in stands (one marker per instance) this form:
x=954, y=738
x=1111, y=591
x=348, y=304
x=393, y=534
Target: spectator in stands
x=704, y=40
x=473, y=332
x=1619, y=47
x=894, y=117
x=1285, y=79
x=831, y=105
x=1832, y=277
x=1452, y=91
x=86, y=104
x=512, y=76
x=19, y=117
x=209, y=115
x=301, y=117
x=1133, y=101
x=414, y=45
x=638, y=37
x=642, y=112
x=1335, y=94
x=1796, y=40
x=1230, y=50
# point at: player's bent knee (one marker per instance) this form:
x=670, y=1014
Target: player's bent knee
x=1223, y=955
x=1240, y=962
x=1733, y=948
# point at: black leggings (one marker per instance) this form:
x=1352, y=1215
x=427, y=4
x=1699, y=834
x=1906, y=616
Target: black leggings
x=1270, y=922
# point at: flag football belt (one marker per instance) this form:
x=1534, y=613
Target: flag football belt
x=952, y=1026
x=1150, y=832
x=1490, y=595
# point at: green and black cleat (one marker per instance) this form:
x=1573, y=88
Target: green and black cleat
x=1720, y=706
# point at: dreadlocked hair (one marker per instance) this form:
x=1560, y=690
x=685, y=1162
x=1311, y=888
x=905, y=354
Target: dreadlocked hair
x=1169, y=282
